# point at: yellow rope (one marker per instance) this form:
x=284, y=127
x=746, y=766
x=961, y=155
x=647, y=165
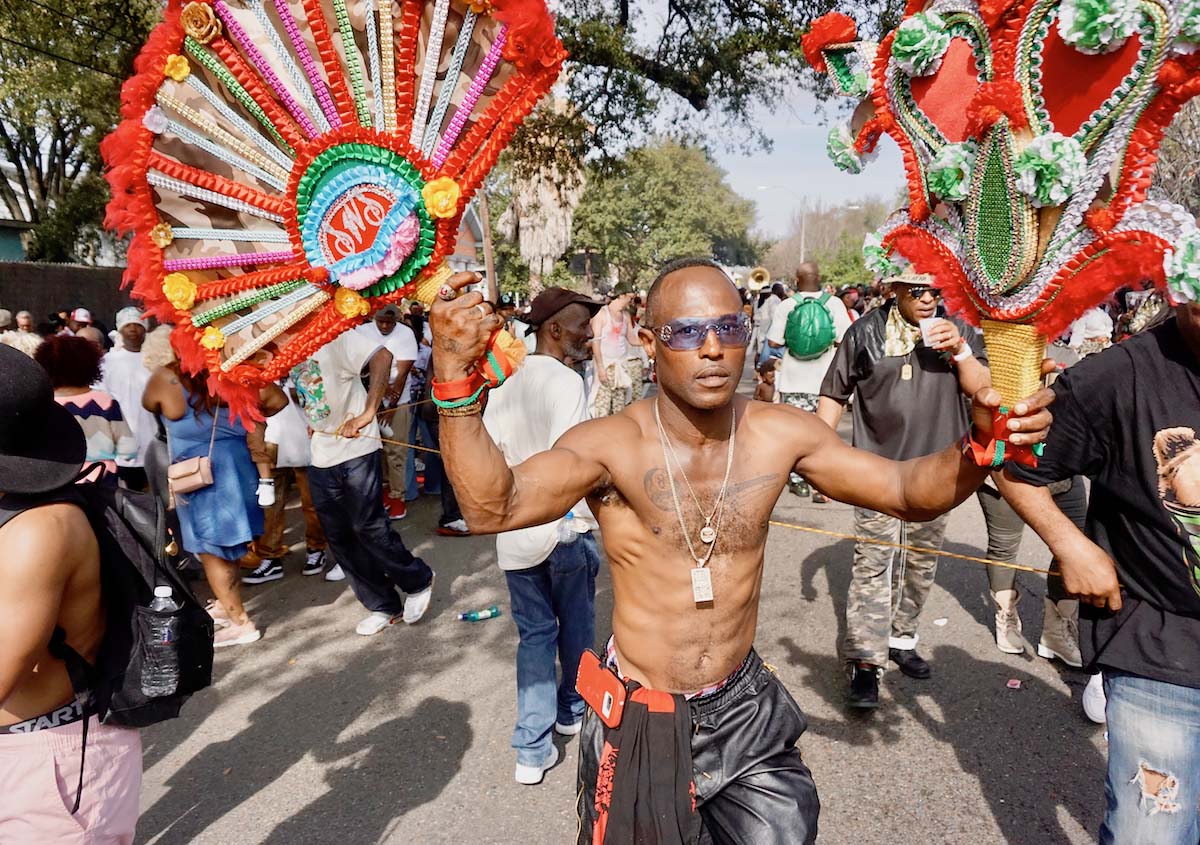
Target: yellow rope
x=810, y=529
x=942, y=553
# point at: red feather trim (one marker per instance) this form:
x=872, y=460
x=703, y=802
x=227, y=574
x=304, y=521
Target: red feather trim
x=1091, y=277
x=833, y=28
x=993, y=101
x=929, y=255
x=530, y=41
x=918, y=202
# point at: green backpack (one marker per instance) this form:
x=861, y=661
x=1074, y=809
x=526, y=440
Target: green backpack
x=809, y=331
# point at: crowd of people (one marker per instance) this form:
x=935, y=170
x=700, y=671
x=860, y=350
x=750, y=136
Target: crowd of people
x=359, y=430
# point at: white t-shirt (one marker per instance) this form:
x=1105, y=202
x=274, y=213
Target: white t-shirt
x=526, y=415
x=331, y=391
x=402, y=343
x=289, y=431
x=123, y=375
x=796, y=376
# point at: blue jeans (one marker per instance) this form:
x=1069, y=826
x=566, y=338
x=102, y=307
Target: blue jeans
x=554, y=606
x=1153, y=727
x=433, y=463
x=348, y=499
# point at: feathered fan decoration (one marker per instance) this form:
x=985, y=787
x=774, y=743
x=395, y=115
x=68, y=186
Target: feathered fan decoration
x=1029, y=132
x=285, y=168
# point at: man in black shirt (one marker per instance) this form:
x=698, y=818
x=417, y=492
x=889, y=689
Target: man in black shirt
x=908, y=397
x=1128, y=419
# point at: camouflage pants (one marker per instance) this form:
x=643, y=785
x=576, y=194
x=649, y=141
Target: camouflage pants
x=875, y=620
x=612, y=400
x=805, y=402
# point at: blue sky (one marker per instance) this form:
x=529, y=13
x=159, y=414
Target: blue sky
x=797, y=169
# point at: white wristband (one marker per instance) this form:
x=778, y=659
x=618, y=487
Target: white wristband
x=964, y=355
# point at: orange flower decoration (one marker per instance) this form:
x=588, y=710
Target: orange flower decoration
x=162, y=235
x=200, y=22
x=177, y=67
x=350, y=304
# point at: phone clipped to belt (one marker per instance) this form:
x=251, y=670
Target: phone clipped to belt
x=601, y=688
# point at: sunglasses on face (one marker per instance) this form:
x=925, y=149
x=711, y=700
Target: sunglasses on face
x=918, y=291
x=687, y=333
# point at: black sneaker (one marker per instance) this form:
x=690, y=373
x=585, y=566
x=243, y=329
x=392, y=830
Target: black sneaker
x=314, y=563
x=864, y=688
x=910, y=663
x=268, y=570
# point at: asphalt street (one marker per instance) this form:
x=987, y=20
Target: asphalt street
x=317, y=735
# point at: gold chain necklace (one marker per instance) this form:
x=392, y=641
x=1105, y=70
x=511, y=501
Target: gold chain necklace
x=701, y=577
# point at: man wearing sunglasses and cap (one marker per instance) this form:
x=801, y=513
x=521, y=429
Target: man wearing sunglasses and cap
x=50, y=580
x=687, y=733
x=908, y=368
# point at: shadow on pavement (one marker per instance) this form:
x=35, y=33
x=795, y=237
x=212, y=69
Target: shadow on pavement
x=365, y=793
x=1025, y=774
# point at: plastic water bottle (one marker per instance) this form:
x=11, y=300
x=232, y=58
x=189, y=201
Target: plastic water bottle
x=480, y=615
x=566, y=529
x=160, y=673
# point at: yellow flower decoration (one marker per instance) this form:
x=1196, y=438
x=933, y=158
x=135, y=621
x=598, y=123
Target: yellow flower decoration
x=350, y=304
x=180, y=291
x=441, y=197
x=162, y=235
x=481, y=7
x=177, y=67
x=213, y=338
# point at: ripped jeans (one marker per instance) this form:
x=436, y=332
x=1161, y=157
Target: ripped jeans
x=1153, y=786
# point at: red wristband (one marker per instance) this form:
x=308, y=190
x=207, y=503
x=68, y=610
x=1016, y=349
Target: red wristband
x=450, y=391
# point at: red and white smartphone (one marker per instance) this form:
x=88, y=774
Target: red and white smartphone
x=600, y=687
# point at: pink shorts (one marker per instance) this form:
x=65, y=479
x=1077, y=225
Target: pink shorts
x=39, y=775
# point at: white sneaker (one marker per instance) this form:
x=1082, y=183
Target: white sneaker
x=232, y=635
x=266, y=492
x=1094, y=701
x=416, y=604
x=335, y=573
x=532, y=775
x=568, y=730
x=375, y=623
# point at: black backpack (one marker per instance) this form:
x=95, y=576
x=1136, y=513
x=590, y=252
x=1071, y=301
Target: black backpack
x=135, y=557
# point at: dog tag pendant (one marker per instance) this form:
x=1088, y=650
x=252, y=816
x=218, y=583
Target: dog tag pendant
x=702, y=590
x=708, y=535
x=906, y=372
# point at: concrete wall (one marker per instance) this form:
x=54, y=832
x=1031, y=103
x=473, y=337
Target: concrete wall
x=45, y=288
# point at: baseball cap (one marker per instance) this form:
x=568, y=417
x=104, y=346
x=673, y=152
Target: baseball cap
x=552, y=300
x=128, y=315
x=81, y=315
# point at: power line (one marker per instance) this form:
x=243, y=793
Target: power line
x=58, y=58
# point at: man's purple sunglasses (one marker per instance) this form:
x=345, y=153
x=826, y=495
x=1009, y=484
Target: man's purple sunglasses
x=687, y=333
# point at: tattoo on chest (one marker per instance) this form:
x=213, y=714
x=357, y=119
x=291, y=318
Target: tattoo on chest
x=658, y=488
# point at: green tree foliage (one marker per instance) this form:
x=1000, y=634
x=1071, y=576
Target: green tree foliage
x=664, y=201
x=633, y=64
x=61, y=67
x=833, y=238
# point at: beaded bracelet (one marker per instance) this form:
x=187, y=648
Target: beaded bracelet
x=470, y=410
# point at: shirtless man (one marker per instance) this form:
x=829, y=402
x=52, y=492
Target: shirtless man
x=50, y=578
x=747, y=779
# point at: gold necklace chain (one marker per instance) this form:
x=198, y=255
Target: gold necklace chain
x=718, y=510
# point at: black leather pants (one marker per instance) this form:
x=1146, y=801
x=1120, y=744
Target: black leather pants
x=751, y=785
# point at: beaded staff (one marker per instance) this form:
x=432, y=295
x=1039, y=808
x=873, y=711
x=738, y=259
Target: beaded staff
x=1026, y=189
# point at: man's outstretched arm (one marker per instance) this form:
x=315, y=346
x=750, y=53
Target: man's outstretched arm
x=916, y=490
x=494, y=497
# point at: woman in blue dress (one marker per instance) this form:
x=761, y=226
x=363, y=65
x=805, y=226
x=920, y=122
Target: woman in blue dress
x=219, y=521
